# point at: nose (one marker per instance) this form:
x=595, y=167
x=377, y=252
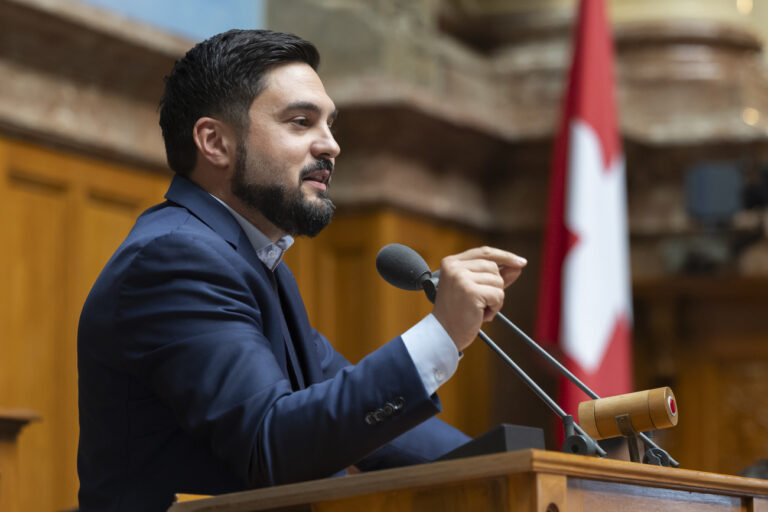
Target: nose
x=325, y=146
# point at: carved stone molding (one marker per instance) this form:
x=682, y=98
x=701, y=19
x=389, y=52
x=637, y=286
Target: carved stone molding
x=79, y=77
x=690, y=81
x=428, y=124
x=684, y=86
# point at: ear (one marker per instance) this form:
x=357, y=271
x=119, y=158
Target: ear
x=215, y=141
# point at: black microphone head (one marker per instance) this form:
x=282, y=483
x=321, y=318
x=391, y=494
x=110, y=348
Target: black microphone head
x=401, y=266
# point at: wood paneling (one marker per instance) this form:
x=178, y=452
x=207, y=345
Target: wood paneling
x=63, y=216
x=707, y=339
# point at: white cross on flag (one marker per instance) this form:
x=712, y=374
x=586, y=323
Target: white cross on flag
x=585, y=298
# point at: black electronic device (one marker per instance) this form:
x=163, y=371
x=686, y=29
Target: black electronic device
x=502, y=438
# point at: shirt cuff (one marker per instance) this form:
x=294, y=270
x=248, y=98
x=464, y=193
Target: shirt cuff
x=433, y=352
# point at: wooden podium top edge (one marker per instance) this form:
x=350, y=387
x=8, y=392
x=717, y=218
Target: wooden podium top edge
x=486, y=466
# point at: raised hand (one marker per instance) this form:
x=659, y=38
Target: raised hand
x=471, y=290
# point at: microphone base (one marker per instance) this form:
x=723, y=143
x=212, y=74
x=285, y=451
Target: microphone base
x=502, y=438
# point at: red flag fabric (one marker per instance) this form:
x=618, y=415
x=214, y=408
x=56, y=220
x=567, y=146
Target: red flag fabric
x=585, y=296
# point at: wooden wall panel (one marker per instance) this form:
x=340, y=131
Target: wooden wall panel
x=724, y=404
x=63, y=216
x=707, y=340
x=36, y=317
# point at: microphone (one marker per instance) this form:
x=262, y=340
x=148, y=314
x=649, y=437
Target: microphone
x=404, y=268
x=391, y=262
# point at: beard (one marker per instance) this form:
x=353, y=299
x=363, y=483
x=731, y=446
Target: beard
x=287, y=208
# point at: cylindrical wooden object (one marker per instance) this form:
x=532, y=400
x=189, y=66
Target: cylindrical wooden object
x=648, y=410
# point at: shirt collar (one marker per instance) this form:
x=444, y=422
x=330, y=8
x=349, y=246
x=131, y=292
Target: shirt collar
x=270, y=253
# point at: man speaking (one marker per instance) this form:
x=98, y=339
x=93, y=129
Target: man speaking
x=199, y=371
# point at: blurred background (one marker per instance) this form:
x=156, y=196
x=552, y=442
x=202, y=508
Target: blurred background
x=449, y=110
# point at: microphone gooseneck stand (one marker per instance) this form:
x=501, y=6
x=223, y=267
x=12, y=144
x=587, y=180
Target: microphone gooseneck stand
x=404, y=268
x=654, y=454
x=576, y=440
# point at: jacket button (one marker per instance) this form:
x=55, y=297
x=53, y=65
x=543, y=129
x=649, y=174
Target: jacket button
x=398, y=403
x=388, y=409
x=379, y=415
x=370, y=419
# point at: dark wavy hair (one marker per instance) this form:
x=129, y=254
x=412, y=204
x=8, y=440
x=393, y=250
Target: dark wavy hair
x=220, y=77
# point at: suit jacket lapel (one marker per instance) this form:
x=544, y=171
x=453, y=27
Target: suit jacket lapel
x=200, y=203
x=296, y=315
x=280, y=338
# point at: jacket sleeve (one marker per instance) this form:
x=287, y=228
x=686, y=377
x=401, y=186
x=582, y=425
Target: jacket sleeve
x=190, y=327
x=423, y=443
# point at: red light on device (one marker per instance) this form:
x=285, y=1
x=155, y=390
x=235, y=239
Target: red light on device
x=672, y=405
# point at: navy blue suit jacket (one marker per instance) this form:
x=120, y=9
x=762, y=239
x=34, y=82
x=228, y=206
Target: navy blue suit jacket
x=184, y=358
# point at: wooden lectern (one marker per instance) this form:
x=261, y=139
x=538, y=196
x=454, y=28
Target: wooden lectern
x=525, y=480
x=11, y=423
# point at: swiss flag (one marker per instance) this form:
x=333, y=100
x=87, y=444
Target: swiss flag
x=585, y=297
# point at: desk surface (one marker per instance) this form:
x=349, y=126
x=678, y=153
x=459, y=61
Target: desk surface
x=483, y=467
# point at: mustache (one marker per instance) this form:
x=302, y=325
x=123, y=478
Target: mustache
x=321, y=164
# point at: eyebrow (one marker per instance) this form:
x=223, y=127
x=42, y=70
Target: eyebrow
x=306, y=105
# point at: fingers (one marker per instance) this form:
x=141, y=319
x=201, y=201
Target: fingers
x=471, y=290
x=492, y=299
x=475, y=260
x=479, y=271
x=498, y=256
x=509, y=275
x=475, y=265
x=489, y=279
